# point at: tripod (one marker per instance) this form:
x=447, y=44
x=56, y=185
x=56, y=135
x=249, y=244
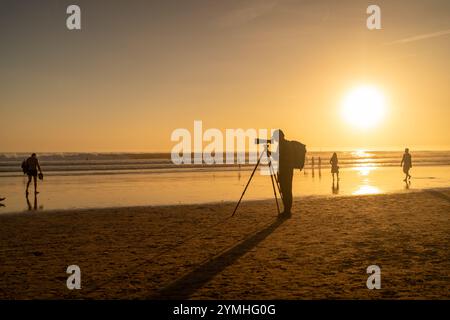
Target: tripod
x=273, y=178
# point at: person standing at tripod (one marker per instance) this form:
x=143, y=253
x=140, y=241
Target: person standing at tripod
x=288, y=156
x=285, y=171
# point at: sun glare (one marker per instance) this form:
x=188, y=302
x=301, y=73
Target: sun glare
x=364, y=107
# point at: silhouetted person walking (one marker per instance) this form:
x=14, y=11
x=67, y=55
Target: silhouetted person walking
x=407, y=164
x=320, y=167
x=285, y=171
x=334, y=166
x=32, y=166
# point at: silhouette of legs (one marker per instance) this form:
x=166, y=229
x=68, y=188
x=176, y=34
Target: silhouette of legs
x=285, y=178
x=28, y=185
x=35, y=184
x=337, y=176
x=407, y=184
x=407, y=176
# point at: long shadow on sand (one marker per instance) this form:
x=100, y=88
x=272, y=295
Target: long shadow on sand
x=185, y=286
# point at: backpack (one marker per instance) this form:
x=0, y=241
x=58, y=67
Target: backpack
x=298, y=154
x=24, y=166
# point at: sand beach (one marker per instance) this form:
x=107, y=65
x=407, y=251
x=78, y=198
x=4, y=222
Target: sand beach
x=198, y=252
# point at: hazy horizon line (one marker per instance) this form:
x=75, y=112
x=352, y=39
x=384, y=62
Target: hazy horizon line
x=342, y=149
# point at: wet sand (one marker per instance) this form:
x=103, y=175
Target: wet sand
x=197, y=252
x=62, y=192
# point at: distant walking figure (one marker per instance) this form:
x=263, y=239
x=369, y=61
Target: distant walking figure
x=334, y=165
x=407, y=164
x=31, y=167
x=320, y=167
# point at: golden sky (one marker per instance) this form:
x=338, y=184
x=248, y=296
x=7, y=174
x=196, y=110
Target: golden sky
x=140, y=69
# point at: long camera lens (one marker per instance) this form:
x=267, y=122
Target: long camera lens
x=262, y=141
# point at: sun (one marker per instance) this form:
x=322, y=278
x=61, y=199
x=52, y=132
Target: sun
x=364, y=107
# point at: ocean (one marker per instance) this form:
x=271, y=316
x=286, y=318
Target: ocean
x=116, y=163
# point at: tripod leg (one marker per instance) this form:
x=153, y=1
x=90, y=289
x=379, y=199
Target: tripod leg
x=278, y=184
x=248, y=183
x=274, y=192
x=274, y=177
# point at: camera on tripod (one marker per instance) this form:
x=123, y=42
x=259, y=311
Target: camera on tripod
x=272, y=170
x=262, y=141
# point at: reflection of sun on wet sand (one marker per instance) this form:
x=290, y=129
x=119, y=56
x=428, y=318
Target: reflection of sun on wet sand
x=364, y=189
x=196, y=251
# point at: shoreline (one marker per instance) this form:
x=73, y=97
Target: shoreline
x=228, y=202
x=190, y=169
x=109, y=191
x=198, y=252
